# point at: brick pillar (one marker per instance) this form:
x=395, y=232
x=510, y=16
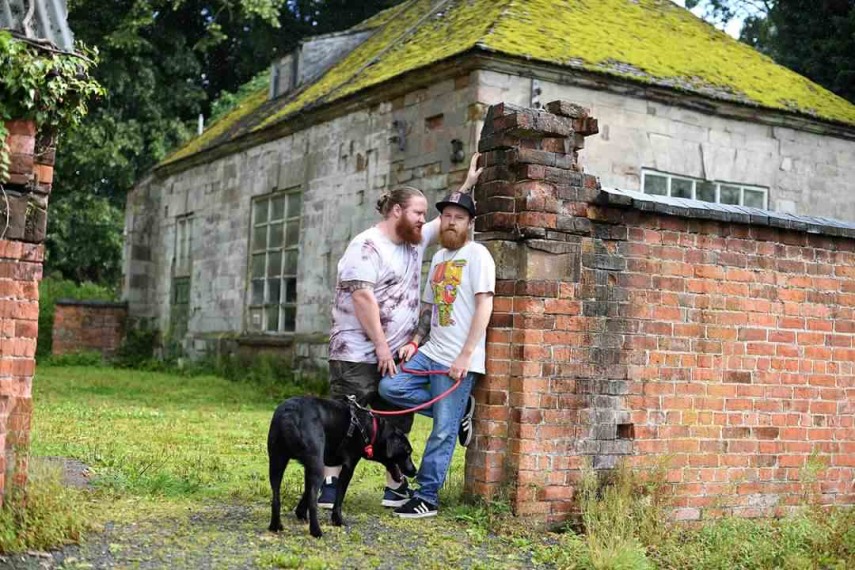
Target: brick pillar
x=23, y=216
x=537, y=415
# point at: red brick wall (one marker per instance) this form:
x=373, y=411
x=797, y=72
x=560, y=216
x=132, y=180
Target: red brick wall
x=80, y=326
x=724, y=347
x=20, y=272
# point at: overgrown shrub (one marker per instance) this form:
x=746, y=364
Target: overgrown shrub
x=51, y=289
x=44, y=516
x=82, y=358
x=138, y=348
x=274, y=374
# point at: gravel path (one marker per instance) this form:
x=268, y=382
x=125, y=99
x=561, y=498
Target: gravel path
x=222, y=536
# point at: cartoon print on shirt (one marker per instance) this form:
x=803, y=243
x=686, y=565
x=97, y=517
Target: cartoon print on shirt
x=444, y=282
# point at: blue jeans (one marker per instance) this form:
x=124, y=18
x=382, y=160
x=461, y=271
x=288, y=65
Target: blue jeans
x=407, y=390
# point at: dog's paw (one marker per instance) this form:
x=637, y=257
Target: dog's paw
x=275, y=527
x=302, y=515
x=336, y=519
x=316, y=532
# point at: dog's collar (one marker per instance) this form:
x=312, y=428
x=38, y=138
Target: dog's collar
x=368, y=450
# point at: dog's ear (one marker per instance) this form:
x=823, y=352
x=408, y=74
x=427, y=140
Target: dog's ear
x=395, y=444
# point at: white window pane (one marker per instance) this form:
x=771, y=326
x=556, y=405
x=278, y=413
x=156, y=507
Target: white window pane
x=273, y=289
x=258, y=265
x=289, y=318
x=277, y=208
x=729, y=194
x=290, y=267
x=681, y=188
x=295, y=202
x=257, y=291
x=290, y=290
x=273, y=318
x=655, y=184
x=754, y=198
x=292, y=233
x=256, y=318
x=261, y=211
x=274, y=264
x=259, y=238
x=705, y=191
x=276, y=235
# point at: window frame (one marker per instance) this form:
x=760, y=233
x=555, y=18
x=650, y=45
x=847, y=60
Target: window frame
x=183, y=265
x=282, y=250
x=645, y=172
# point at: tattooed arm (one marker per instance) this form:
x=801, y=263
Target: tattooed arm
x=422, y=331
x=368, y=313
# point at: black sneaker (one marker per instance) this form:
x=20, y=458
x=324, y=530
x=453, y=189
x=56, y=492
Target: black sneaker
x=464, y=434
x=397, y=497
x=328, y=492
x=416, y=509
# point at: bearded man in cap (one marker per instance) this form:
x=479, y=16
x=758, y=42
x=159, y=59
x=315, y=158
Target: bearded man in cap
x=456, y=306
x=376, y=310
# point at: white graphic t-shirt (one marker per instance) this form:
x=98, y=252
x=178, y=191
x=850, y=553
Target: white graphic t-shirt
x=395, y=271
x=455, y=278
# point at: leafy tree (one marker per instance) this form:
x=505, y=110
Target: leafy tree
x=162, y=62
x=814, y=38
x=84, y=241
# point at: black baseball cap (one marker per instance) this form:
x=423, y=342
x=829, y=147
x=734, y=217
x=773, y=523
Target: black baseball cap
x=460, y=199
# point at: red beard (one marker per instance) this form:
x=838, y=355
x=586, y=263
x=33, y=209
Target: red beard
x=451, y=239
x=410, y=233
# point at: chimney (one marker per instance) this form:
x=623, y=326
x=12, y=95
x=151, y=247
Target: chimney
x=311, y=59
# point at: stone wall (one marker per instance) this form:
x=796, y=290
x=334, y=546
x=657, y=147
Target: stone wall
x=718, y=339
x=341, y=166
x=82, y=326
x=806, y=173
x=343, y=157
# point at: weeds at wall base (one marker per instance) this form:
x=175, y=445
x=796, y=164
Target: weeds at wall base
x=625, y=524
x=45, y=515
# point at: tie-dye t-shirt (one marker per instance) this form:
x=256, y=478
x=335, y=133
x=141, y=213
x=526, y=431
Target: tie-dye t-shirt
x=395, y=271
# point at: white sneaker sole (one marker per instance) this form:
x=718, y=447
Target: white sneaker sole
x=327, y=506
x=416, y=515
x=394, y=502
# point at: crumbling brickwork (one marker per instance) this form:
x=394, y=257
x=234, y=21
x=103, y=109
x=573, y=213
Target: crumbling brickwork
x=719, y=342
x=20, y=271
x=80, y=326
x=23, y=217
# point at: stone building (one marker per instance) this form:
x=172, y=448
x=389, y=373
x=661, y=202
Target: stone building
x=233, y=240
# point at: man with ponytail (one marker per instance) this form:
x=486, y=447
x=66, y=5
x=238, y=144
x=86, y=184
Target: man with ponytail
x=376, y=310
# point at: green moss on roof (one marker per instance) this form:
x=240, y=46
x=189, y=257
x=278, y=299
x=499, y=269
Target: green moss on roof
x=651, y=41
x=658, y=42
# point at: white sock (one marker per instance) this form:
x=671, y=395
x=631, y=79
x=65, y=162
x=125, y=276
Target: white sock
x=391, y=483
x=330, y=472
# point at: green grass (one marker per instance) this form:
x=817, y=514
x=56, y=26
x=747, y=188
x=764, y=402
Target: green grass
x=49, y=514
x=179, y=471
x=152, y=434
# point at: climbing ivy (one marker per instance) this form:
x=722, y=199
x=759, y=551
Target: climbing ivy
x=42, y=84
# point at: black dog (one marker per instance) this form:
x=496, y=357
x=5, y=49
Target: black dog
x=315, y=431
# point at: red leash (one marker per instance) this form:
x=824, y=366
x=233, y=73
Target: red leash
x=429, y=402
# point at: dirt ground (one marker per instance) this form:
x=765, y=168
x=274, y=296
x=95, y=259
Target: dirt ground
x=234, y=535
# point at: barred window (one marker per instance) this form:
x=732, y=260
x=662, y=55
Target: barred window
x=274, y=250
x=664, y=184
x=183, y=245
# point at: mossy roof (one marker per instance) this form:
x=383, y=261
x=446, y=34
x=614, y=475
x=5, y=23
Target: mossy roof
x=648, y=41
